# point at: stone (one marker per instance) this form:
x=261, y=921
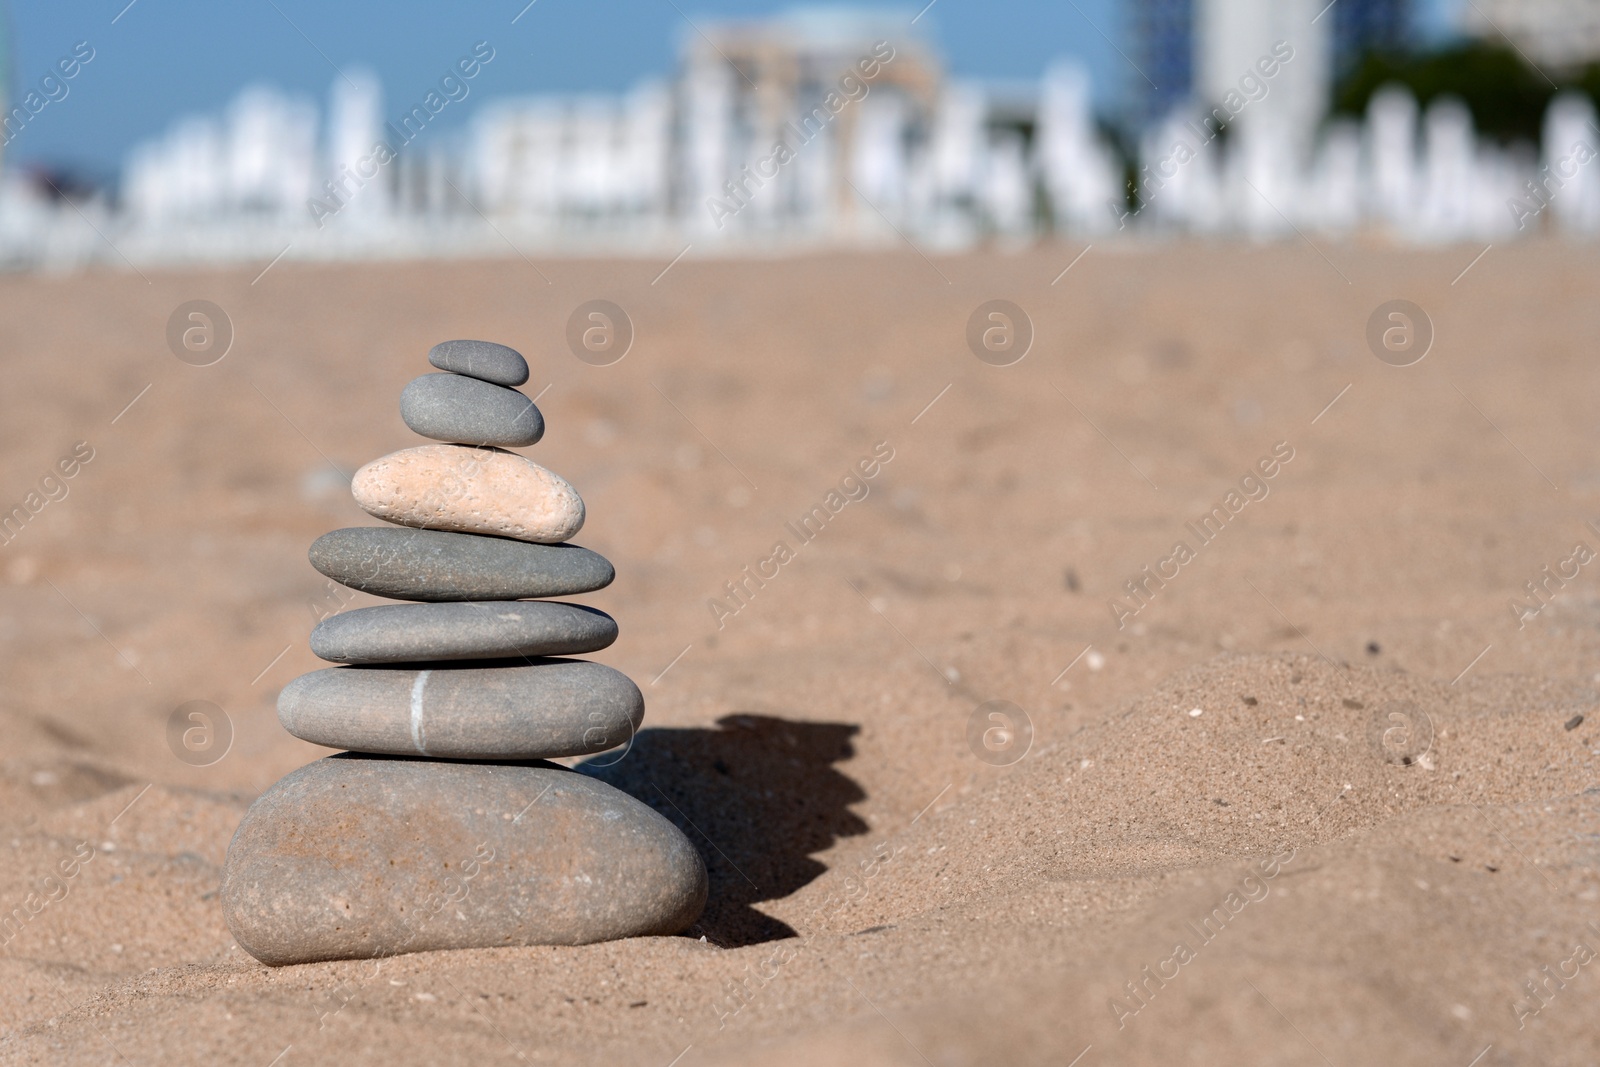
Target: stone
x=358, y=857
x=433, y=565
x=449, y=407
x=542, y=710
x=483, y=360
x=472, y=629
x=470, y=490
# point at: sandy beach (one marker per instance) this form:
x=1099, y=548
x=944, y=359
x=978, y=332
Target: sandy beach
x=1319, y=788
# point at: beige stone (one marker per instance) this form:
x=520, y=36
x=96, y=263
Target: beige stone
x=470, y=490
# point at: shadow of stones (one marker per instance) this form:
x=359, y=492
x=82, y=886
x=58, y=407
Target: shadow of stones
x=758, y=796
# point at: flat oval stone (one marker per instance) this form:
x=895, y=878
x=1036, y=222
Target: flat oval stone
x=473, y=629
x=555, y=707
x=483, y=360
x=433, y=565
x=357, y=857
x=470, y=490
x=450, y=407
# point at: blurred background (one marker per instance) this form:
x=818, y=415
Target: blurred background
x=138, y=133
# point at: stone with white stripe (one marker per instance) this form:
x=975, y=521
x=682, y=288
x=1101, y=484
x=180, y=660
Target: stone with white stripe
x=549, y=708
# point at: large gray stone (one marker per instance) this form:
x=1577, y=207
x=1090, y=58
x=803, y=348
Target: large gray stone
x=472, y=629
x=356, y=857
x=555, y=707
x=450, y=407
x=413, y=564
x=483, y=360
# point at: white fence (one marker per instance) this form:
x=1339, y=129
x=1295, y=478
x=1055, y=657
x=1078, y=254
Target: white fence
x=699, y=161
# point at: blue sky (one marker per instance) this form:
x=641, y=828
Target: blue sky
x=160, y=59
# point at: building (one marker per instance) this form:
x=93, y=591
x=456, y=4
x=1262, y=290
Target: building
x=1161, y=47
x=1190, y=54
x=801, y=80
x=1237, y=42
x=1559, y=34
x=1363, y=26
x=818, y=125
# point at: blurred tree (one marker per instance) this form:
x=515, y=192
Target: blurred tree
x=1507, y=97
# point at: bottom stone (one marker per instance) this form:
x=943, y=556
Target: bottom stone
x=359, y=857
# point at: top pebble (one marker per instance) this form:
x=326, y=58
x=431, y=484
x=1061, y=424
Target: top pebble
x=483, y=360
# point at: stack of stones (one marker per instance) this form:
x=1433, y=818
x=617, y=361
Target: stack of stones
x=441, y=827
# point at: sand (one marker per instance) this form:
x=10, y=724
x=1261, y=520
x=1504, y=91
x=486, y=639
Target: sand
x=1212, y=851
